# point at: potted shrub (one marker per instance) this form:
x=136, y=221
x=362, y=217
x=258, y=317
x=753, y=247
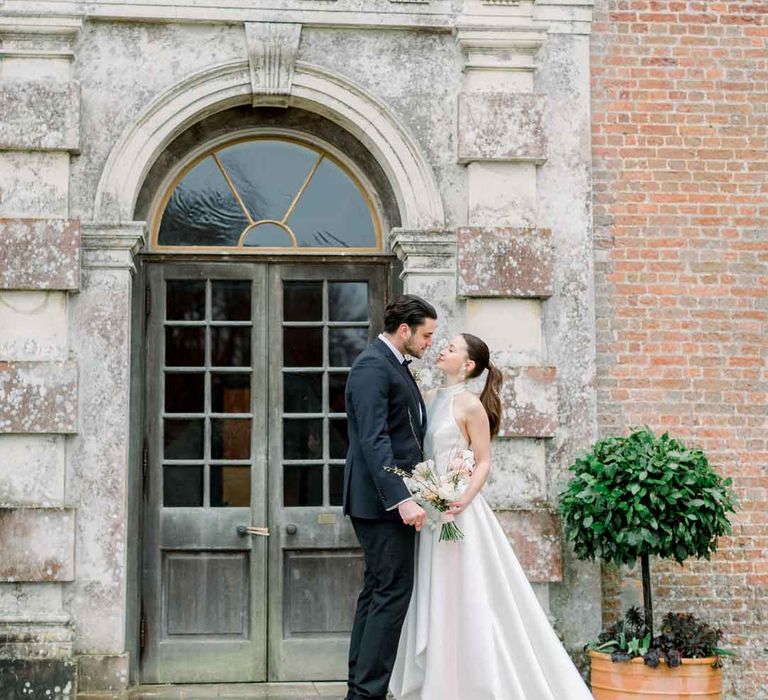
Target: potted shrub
x=632, y=498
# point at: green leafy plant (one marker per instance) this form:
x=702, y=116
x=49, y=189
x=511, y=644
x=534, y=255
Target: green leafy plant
x=626, y=638
x=682, y=636
x=639, y=496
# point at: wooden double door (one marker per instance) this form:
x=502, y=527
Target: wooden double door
x=250, y=570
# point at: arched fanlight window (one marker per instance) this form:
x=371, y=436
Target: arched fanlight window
x=266, y=193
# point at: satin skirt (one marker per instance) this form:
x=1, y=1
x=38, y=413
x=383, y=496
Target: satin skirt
x=475, y=629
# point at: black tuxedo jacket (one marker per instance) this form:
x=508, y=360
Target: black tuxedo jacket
x=386, y=428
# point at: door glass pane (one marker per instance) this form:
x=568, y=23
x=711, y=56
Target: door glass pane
x=336, y=484
x=302, y=301
x=184, y=347
x=231, y=393
x=303, y=347
x=345, y=344
x=337, y=438
x=302, y=393
x=348, y=301
x=303, y=439
x=182, y=486
x=230, y=487
x=337, y=383
x=230, y=438
x=184, y=393
x=302, y=486
x=230, y=346
x=310, y=386
x=183, y=438
x=185, y=300
x=231, y=300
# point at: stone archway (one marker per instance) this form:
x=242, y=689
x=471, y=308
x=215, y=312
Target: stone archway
x=312, y=89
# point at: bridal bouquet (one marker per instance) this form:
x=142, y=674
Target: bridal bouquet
x=440, y=490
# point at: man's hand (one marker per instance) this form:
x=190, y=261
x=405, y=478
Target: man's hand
x=412, y=514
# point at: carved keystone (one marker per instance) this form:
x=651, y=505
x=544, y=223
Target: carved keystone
x=272, y=49
x=529, y=401
x=504, y=262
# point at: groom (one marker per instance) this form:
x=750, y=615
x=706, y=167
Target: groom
x=387, y=420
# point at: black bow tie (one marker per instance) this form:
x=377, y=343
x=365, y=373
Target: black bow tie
x=406, y=363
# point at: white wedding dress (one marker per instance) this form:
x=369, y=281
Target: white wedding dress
x=475, y=629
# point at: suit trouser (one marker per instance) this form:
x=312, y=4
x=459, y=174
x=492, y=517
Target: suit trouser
x=381, y=607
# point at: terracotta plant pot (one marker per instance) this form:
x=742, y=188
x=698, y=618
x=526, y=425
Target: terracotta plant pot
x=633, y=680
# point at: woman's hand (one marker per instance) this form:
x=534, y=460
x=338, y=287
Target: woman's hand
x=459, y=505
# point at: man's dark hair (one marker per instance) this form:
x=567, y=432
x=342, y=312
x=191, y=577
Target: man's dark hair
x=407, y=308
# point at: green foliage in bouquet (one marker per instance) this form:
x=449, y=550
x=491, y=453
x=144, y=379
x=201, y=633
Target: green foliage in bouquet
x=642, y=495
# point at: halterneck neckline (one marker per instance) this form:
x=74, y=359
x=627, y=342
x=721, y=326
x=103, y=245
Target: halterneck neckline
x=452, y=390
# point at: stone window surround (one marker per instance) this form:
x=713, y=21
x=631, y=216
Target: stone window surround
x=236, y=125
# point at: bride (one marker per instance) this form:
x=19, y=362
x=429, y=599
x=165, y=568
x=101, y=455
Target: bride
x=474, y=629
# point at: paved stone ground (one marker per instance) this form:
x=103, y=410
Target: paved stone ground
x=239, y=691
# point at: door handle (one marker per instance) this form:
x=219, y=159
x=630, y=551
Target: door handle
x=291, y=529
x=243, y=530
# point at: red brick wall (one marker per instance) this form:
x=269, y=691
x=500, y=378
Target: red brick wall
x=680, y=157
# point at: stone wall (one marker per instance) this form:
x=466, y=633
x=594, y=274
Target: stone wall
x=477, y=112
x=39, y=381
x=680, y=160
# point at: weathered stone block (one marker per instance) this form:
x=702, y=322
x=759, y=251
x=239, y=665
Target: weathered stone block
x=102, y=672
x=40, y=254
x=39, y=115
x=33, y=326
x=501, y=126
x=32, y=470
x=535, y=535
x=502, y=194
x=35, y=184
x=38, y=397
x=504, y=262
x=38, y=544
x=529, y=402
x=516, y=342
x=35, y=634
x=53, y=679
x=518, y=476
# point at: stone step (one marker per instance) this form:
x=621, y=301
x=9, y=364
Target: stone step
x=258, y=691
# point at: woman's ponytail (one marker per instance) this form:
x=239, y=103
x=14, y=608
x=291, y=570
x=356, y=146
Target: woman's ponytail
x=490, y=397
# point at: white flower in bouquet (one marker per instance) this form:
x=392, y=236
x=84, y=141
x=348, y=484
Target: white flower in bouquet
x=424, y=471
x=440, y=490
x=463, y=464
x=449, y=491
